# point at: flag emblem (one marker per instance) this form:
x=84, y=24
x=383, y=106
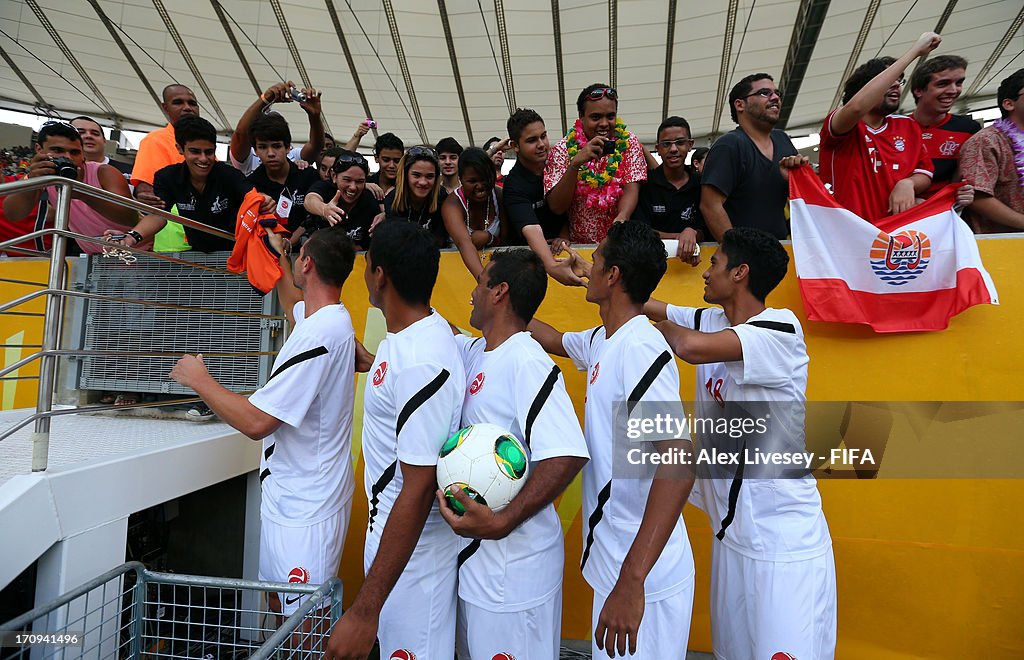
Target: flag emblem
x=900, y=258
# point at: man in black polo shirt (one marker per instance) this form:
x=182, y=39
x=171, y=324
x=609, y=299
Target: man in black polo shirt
x=670, y=198
x=526, y=209
x=201, y=188
x=277, y=176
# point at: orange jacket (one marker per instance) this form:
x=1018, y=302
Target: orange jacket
x=252, y=252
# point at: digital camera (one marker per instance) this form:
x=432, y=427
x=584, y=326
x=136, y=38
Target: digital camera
x=65, y=167
x=298, y=95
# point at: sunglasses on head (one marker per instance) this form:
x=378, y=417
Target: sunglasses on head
x=601, y=92
x=422, y=151
x=344, y=162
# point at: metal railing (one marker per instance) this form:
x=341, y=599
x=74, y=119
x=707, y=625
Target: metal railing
x=49, y=351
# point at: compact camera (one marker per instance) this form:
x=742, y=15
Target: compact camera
x=297, y=95
x=608, y=148
x=370, y=123
x=65, y=167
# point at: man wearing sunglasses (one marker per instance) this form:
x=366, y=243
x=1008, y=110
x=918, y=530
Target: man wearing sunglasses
x=876, y=162
x=743, y=183
x=670, y=197
x=602, y=154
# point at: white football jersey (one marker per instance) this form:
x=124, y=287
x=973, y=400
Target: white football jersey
x=767, y=519
x=519, y=388
x=306, y=468
x=412, y=404
x=635, y=364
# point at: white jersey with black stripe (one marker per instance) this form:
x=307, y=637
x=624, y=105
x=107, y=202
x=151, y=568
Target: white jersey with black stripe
x=634, y=364
x=306, y=467
x=519, y=388
x=765, y=519
x=412, y=403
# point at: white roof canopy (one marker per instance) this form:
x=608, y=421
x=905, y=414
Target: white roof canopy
x=425, y=70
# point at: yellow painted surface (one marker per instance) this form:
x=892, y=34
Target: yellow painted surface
x=18, y=330
x=927, y=568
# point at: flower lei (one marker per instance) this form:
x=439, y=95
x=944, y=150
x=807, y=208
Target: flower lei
x=596, y=180
x=1016, y=136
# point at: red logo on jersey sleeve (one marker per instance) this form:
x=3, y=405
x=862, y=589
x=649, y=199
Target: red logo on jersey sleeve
x=782, y=655
x=378, y=375
x=503, y=656
x=477, y=383
x=403, y=654
x=597, y=370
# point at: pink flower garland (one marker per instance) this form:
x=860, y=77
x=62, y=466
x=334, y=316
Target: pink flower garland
x=606, y=196
x=1016, y=136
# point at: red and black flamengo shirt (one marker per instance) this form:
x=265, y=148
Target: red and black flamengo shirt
x=942, y=141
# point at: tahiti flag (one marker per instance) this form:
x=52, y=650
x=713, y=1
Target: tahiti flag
x=909, y=272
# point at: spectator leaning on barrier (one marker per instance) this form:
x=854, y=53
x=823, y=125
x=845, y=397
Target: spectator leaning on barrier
x=94, y=144
x=936, y=84
x=593, y=173
x=670, y=197
x=277, y=176
x=59, y=146
x=472, y=214
x=993, y=161
x=342, y=203
x=526, y=208
x=743, y=181
x=202, y=188
x=241, y=153
x=418, y=196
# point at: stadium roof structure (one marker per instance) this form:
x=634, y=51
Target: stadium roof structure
x=425, y=70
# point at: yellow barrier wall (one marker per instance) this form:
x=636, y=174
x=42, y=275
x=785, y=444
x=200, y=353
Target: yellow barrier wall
x=926, y=568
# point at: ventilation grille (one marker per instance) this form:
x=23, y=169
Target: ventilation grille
x=133, y=329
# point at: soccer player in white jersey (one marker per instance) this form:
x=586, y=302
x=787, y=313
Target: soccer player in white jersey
x=304, y=416
x=636, y=554
x=412, y=404
x=510, y=574
x=773, y=581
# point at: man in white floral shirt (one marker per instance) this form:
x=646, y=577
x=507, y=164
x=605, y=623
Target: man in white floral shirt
x=593, y=173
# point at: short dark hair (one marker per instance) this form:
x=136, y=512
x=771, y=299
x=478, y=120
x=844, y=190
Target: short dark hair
x=330, y=152
x=640, y=256
x=922, y=76
x=332, y=253
x=57, y=129
x=348, y=159
x=409, y=256
x=742, y=89
x=448, y=145
x=270, y=128
x=191, y=127
x=1009, y=89
x=763, y=254
x=519, y=120
x=387, y=141
x=673, y=122
x=863, y=74
x=86, y=118
x=477, y=159
x=524, y=273
x=581, y=100
x=699, y=154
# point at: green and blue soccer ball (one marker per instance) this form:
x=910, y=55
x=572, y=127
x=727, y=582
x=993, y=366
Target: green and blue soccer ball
x=487, y=462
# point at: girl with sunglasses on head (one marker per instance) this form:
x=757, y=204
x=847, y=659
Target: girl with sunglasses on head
x=472, y=212
x=342, y=202
x=417, y=196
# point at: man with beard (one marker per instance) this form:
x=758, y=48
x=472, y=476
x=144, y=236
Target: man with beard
x=743, y=183
x=936, y=84
x=875, y=161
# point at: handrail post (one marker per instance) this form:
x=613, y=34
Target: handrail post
x=51, y=326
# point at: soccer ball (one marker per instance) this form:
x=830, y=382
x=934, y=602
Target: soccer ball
x=487, y=462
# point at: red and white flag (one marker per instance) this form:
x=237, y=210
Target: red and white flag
x=911, y=272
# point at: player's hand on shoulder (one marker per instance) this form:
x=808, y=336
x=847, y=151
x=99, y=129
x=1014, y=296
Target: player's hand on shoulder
x=478, y=522
x=364, y=358
x=619, y=621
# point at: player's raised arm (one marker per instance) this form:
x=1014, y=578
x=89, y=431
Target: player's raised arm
x=547, y=337
x=656, y=310
x=698, y=347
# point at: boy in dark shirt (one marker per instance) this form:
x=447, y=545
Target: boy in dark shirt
x=277, y=176
x=201, y=188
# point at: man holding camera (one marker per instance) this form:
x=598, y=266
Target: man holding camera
x=59, y=152
x=593, y=173
x=242, y=153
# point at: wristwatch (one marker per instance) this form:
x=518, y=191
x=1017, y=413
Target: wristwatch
x=134, y=234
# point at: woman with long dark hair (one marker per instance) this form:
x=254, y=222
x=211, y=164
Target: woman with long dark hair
x=472, y=212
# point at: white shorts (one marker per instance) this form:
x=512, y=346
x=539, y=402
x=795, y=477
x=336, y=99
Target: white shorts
x=664, y=629
x=761, y=608
x=308, y=554
x=532, y=633
x=418, y=617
